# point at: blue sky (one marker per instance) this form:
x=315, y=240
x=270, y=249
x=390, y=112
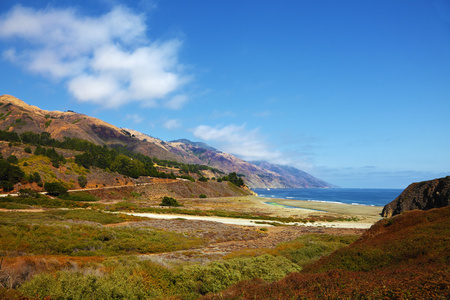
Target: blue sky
x=356, y=93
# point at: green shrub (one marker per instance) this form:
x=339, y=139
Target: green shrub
x=169, y=201
x=42, y=201
x=202, y=196
x=12, y=159
x=308, y=248
x=87, y=215
x=78, y=196
x=28, y=193
x=82, y=181
x=52, y=234
x=7, y=186
x=144, y=280
x=219, y=275
x=54, y=188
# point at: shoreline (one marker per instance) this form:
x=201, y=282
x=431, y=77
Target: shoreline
x=372, y=212
x=365, y=216
x=253, y=222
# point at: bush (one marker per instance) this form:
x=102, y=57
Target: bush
x=202, y=196
x=79, y=196
x=169, y=201
x=54, y=188
x=28, y=193
x=82, y=181
x=12, y=159
x=217, y=276
x=7, y=186
x=144, y=280
x=54, y=233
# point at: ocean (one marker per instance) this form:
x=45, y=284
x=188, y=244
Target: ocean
x=372, y=197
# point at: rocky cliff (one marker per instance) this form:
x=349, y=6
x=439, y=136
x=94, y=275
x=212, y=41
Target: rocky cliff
x=420, y=195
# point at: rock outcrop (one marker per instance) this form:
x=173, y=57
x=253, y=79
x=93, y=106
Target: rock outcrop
x=420, y=195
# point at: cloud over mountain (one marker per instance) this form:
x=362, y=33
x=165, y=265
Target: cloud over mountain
x=248, y=144
x=107, y=59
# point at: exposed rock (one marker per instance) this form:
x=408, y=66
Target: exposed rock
x=420, y=195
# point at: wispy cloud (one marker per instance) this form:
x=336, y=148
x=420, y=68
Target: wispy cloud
x=172, y=124
x=136, y=118
x=248, y=144
x=107, y=59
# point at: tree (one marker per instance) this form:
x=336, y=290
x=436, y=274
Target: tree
x=7, y=186
x=82, y=181
x=39, y=150
x=54, y=188
x=169, y=201
x=235, y=179
x=12, y=159
x=9, y=172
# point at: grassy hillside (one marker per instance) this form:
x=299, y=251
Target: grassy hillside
x=405, y=257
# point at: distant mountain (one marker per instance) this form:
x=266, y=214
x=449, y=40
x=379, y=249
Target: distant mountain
x=18, y=116
x=195, y=144
x=294, y=178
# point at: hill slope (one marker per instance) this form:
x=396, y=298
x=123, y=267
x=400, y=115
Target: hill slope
x=293, y=177
x=256, y=174
x=405, y=257
x=18, y=116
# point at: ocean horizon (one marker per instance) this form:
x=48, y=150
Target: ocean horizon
x=355, y=196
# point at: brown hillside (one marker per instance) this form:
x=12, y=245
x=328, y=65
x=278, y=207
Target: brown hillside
x=405, y=257
x=18, y=116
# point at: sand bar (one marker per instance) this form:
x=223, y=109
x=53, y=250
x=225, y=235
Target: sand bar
x=331, y=207
x=251, y=222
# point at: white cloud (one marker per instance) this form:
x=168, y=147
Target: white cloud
x=107, y=60
x=172, y=124
x=248, y=144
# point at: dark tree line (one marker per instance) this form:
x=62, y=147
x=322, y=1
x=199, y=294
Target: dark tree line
x=234, y=178
x=10, y=174
x=117, y=158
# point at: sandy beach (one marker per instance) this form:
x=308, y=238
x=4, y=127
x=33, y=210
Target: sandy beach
x=363, y=216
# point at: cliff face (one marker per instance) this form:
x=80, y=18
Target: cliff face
x=420, y=195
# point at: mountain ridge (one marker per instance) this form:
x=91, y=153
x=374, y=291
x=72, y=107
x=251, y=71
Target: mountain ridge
x=16, y=115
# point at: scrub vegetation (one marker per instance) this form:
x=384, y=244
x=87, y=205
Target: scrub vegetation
x=76, y=253
x=406, y=257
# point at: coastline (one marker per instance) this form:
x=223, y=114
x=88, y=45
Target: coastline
x=330, y=207
x=364, y=216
